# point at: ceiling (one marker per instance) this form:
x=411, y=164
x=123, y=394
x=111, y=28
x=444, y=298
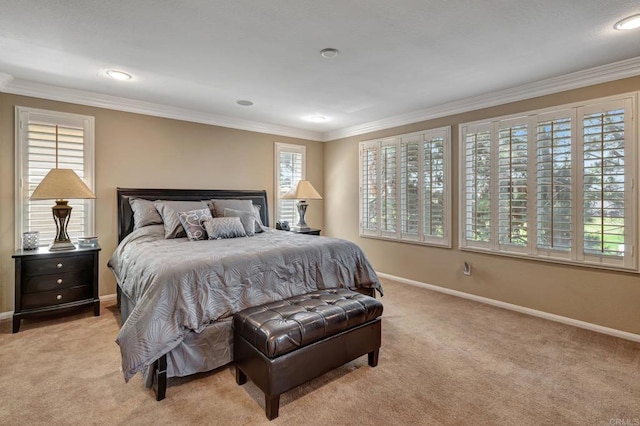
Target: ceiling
x=194, y=59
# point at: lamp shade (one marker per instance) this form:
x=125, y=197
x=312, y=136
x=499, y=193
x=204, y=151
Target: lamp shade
x=303, y=191
x=61, y=184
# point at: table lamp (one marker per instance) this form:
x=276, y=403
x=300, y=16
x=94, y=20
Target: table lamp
x=302, y=191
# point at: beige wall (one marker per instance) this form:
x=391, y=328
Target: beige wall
x=135, y=150
x=140, y=151
x=601, y=297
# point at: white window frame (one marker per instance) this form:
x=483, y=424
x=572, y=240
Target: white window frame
x=290, y=148
x=23, y=115
x=576, y=255
x=397, y=234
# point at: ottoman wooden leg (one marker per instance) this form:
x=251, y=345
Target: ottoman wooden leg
x=241, y=378
x=373, y=357
x=271, y=405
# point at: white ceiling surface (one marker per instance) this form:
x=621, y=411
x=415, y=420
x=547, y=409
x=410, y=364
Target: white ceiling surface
x=397, y=57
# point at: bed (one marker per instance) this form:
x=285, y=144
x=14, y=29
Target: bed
x=177, y=297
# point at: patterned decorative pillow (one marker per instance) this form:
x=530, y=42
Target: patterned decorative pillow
x=192, y=223
x=169, y=211
x=144, y=213
x=247, y=218
x=224, y=227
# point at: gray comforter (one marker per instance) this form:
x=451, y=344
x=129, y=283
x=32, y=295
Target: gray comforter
x=179, y=285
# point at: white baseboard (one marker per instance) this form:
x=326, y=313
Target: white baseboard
x=105, y=298
x=108, y=297
x=534, y=312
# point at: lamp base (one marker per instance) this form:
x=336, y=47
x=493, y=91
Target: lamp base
x=62, y=245
x=61, y=215
x=302, y=209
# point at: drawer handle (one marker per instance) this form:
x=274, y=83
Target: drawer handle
x=59, y=265
x=59, y=281
x=59, y=297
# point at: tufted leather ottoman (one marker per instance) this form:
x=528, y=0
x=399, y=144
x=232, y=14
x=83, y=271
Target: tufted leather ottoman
x=283, y=344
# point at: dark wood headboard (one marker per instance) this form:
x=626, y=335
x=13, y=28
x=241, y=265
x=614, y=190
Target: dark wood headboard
x=125, y=214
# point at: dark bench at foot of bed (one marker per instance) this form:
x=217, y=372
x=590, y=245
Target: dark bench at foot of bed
x=281, y=345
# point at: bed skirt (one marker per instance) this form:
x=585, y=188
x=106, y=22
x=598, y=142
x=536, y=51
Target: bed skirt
x=198, y=352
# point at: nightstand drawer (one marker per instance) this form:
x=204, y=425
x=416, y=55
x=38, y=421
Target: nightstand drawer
x=53, y=265
x=55, y=297
x=61, y=280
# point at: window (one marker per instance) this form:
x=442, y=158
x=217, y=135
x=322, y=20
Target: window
x=477, y=167
x=404, y=187
x=36, y=134
x=290, y=168
x=554, y=185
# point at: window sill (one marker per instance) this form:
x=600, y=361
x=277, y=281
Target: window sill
x=446, y=245
x=546, y=259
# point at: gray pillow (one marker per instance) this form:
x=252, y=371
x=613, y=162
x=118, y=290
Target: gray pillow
x=217, y=207
x=144, y=213
x=247, y=218
x=259, y=225
x=224, y=227
x=192, y=223
x=169, y=211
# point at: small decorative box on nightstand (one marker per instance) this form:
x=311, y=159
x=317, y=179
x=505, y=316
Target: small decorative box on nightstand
x=48, y=281
x=308, y=231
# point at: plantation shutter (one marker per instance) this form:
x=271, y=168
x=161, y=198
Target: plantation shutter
x=404, y=187
x=389, y=190
x=290, y=161
x=36, y=151
x=512, y=184
x=477, y=185
x=606, y=173
x=410, y=187
x=435, y=198
x=564, y=181
x=555, y=201
x=369, y=192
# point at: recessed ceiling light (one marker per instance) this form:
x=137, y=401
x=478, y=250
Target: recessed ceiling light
x=244, y=102
x=119, y=75
x=329, y=52
x=317, y=118
x=628, y=23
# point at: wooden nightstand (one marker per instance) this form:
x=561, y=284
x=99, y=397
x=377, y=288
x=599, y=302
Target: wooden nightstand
x=47, y=281
x=308, y=231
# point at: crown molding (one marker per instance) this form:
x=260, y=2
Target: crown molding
x=591, y=76
x=5, y=79
x=575, y=80
x=93, y=99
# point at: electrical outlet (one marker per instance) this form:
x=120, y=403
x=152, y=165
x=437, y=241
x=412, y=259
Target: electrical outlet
x=466, y=268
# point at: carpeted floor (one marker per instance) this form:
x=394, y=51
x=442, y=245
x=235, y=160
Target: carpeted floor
x=444, y=360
